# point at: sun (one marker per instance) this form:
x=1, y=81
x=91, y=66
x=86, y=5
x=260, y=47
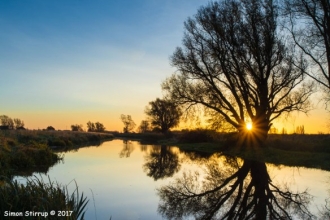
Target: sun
x=249, y=126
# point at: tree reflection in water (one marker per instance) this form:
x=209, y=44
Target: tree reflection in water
x=238, y=190
x=161, y=162
x=325, y=211
x=128, y=148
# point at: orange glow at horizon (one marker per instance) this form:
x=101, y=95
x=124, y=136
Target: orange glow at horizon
x=316, y=122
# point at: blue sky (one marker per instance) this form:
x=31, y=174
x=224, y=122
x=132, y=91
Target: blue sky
x=86, y=60
x=65, y=62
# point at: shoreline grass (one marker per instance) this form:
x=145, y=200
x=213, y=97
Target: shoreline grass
x=37, y=196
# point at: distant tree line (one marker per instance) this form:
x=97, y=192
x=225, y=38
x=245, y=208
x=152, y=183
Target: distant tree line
x=8, y=123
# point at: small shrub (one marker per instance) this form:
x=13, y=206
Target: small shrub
x=50, y=128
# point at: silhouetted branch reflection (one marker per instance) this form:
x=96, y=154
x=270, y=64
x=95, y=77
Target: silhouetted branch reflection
x=325, y=213
x=128, y=148
x=161, y=162
x=325, y=210
x=143, y=147
x=234, y=191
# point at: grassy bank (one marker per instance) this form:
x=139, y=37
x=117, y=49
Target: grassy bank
x=26, y=159
x=23, y=152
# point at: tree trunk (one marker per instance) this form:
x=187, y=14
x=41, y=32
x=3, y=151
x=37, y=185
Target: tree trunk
x=260, y=179
x=260, y=130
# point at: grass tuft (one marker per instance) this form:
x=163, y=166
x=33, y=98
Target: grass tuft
x=38, y=196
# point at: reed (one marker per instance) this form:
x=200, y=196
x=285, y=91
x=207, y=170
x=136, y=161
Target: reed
x=39, y=196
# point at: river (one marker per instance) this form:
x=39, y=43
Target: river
x=128, y=180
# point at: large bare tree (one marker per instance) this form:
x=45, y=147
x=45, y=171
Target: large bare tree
x=309, y=25
x=234, y=63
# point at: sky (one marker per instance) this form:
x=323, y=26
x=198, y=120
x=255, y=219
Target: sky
x=69, y=62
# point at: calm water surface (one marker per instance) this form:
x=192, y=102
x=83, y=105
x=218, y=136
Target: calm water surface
x=127, y=180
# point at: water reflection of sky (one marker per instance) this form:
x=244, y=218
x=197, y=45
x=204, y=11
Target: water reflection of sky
x=115, y=178
x=299, y=179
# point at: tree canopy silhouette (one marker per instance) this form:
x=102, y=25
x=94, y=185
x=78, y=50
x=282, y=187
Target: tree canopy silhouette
x=7, y=122
x=129, y=124
x=144, y=126
x=77, y=127
x=50, y=128
x=234, y=63
x=163, y=114
x=95, y=127
x=90, y=126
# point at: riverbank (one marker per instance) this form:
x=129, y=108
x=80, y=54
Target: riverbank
x=23, y=152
